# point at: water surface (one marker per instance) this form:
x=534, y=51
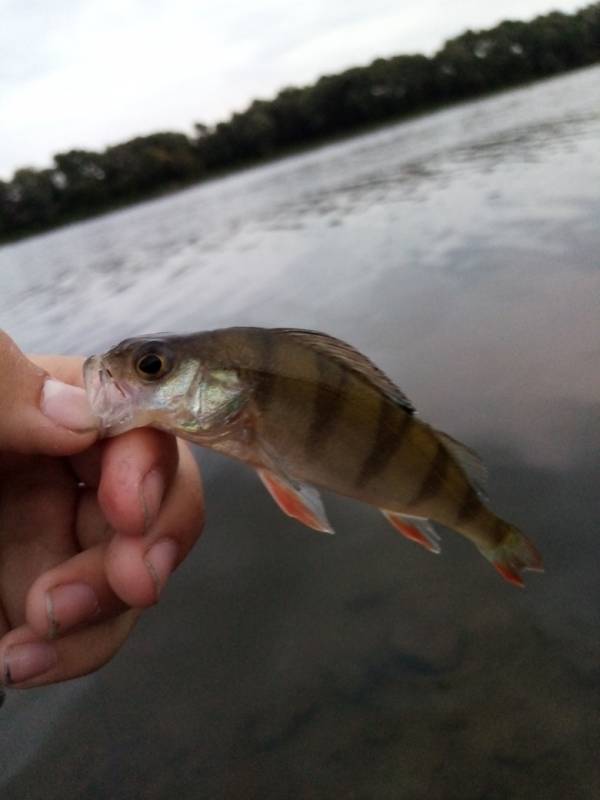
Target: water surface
x=461, y=251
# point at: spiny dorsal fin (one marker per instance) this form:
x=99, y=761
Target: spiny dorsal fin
x=472, y=465
x=346, y=355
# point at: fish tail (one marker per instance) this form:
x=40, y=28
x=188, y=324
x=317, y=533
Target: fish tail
x=512, y=554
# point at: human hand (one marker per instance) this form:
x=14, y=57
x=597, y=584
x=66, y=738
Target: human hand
x=89, y=531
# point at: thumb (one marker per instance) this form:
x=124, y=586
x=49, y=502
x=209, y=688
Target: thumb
x=39, y=414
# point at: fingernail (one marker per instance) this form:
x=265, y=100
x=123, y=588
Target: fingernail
x=69, y=605
x=153, y=489
x=160, y=561
x=67, y=406
x=25, y=661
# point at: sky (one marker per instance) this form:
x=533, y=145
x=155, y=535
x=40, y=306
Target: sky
x=88, y=73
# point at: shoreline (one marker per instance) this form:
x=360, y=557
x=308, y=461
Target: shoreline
x=282, y=154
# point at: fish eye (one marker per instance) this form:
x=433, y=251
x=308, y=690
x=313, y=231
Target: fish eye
x=151, y=366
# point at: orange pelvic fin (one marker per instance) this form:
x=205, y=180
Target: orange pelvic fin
x=417, y=529
x=514, y=555
x=296, y=500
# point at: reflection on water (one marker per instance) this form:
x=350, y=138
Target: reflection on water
x=460, y=251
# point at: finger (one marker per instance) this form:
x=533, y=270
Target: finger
x=73, y=594
x=39, y=414
x=139, y=567
x=68, y=369
x=26, y=660
x=137, y=469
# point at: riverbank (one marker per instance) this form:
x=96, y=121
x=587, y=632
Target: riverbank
x=82, y=184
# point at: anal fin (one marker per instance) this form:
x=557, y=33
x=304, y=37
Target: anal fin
x=296, y=500
x=417, y=529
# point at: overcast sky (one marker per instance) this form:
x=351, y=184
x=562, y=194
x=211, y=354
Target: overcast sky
x=87, y=73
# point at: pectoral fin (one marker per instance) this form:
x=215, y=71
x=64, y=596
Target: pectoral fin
x=417, y=529
x=296, y=500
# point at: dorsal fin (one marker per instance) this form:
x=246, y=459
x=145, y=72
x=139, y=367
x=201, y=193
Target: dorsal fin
x=472, y=465
x=346, y=355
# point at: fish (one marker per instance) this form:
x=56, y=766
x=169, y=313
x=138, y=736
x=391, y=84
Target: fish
x=306, y=411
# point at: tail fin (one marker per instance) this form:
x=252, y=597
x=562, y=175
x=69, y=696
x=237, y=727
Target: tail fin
x=514, y=554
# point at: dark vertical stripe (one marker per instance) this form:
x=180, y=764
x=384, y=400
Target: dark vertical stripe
x=392, y=425
x=433, y=480
x=327, y=404
x=470, y=506
x=265, y=369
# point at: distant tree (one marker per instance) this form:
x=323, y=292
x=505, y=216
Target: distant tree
x=290, y=114
x=410, y=83
x=82, y=174
x=590, y=24
x=215, y=147
x=31, y=198
x=147, y=162
x=253, y=132
x=459, y=67
x=6, y=221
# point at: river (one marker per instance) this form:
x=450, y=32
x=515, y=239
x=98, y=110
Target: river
x=461, y=252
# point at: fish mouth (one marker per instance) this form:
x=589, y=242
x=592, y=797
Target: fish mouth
x=110, y=400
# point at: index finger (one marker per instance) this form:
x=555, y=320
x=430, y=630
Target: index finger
x=136, y=471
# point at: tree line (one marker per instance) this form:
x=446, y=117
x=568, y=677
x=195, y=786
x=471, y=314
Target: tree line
x=83, y=182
